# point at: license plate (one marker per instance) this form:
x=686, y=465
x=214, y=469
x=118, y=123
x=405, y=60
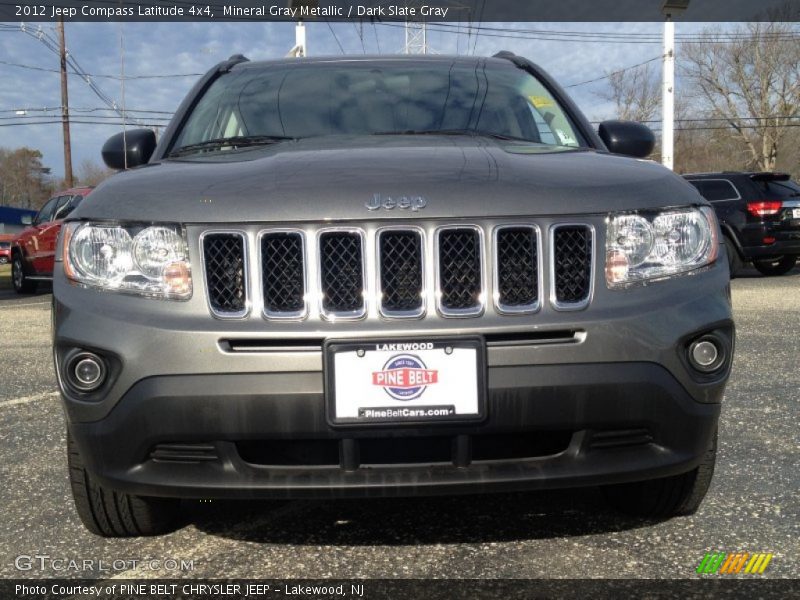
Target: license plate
x=796, y=213
x=405, y=381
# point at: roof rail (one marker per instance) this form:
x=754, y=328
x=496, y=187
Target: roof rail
x=234, y=60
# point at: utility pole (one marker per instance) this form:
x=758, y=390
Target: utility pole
x=668, y=95
x=68, y=181
x=299, y=49
x=669, y=8
x=416, y=37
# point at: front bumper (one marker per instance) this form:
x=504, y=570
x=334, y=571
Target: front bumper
x=199, y=437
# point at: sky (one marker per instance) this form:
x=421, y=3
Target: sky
x=184, y=50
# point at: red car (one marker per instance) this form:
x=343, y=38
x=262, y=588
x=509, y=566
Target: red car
x=5, y=249
x=33, y=250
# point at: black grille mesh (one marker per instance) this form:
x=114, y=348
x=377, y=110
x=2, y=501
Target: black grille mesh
x=517, y=267
x=572, y=246
x=224, y=262
x=341, y=273
x=401, y=270
x=459, y=268
x=282, y=272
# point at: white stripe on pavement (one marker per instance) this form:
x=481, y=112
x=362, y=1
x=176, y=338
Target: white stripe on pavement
x=28, y=399
x=28, y=304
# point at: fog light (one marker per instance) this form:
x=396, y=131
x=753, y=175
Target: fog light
x=706, y=354
x=86, y=372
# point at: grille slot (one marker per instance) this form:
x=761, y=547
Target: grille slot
x=401, y=273
x=620, y=438
x=517, y=269
x=459, y=271
x=341, y=270
x=224, y=257
x=183, y=452
x=572, y=266
x=283, y=274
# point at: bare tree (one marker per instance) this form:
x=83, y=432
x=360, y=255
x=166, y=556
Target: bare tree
x=91, y=173
x=23, y=181
x=636, y=93
x=752, y=81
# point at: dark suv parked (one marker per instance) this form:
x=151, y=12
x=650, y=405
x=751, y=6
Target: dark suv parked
x=387, y=276
x=760, y=217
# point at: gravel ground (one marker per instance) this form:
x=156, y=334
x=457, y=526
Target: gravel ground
x=752, y=505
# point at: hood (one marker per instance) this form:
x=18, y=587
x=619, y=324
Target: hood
x=334, y=179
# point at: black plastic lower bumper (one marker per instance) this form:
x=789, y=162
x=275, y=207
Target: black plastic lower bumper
x=786, y=241
x=548, y=426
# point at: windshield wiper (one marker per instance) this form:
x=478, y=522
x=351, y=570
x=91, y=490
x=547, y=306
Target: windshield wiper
x=239, y=141
x=470, y=132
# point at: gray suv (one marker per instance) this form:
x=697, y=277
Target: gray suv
x=387, y=276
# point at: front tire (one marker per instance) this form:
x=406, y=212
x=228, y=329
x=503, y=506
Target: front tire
x=667, y=497
x=780, y=265
x=734, y=260
x=107, y=513
x=22, y=285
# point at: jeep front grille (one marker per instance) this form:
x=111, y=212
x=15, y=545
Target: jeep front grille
x=517, y=268
x=572, y=265
x=459, y=271
x=225, y=262
x=283, y=274
x=399, y=271
x=341, y=269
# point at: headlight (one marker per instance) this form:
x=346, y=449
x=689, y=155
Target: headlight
x=654, y=245
x=152, y=260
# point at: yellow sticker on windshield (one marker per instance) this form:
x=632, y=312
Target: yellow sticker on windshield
x=541, y=101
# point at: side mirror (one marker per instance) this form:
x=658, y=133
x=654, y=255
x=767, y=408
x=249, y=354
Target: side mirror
x=129, y=149
x=26, y=219
x=627, y=137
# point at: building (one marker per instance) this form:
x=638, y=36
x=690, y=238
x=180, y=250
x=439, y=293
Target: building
x=11, y=219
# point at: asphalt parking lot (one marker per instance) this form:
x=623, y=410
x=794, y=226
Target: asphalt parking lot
x=753, y=504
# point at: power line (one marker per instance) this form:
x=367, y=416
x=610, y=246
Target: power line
x=333, y=33
x=105, y=119
x=99, y=76
x=79, y=122
x=517, y=34
x=57, y=108
x=608, y=75
x=377, y=41
x=360, y=33
x=654, y=37
x=69, y=60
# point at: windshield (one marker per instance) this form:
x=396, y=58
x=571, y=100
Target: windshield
x=362, y=98
x=5, y=244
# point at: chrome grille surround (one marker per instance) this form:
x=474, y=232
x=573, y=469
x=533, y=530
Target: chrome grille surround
x=393, y=313
x=366, y=270
x=283, y=315
x=216, y=312
x=527, y=308
x=480, y=300
x=361, y=270
x=586, y=298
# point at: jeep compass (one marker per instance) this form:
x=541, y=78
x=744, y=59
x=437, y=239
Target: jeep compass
x=372, y=277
